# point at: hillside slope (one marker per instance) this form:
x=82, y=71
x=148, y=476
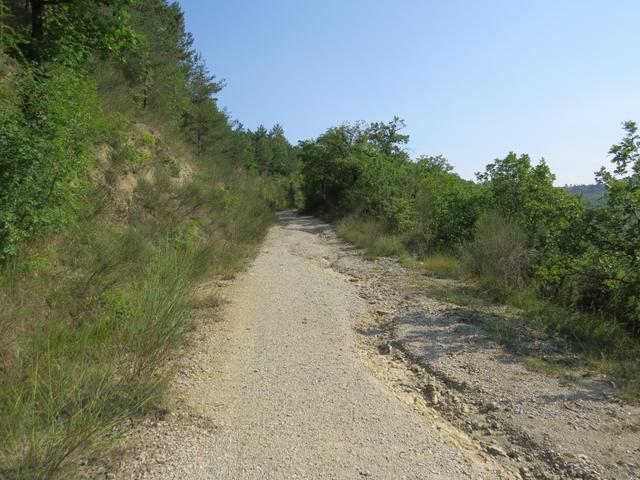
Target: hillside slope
x=122, y=185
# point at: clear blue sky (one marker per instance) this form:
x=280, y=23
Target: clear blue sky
x=472, y=79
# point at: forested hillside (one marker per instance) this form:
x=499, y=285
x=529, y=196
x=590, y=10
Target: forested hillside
x=591, y=194
x=571, y=267
x=121, y=185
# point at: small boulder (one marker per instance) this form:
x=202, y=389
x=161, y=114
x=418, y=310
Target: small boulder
x=496, y=450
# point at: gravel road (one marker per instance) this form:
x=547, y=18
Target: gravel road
x=324, y=365
x=279, y=390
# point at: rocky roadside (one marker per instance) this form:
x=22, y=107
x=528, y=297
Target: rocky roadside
x=437, y=356
x=491, y=413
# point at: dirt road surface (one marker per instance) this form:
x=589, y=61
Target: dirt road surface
x=324, y=365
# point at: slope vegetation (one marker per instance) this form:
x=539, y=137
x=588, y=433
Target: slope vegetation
x=122, y=184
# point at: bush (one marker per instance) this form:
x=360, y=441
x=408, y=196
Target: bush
x=447, y=208
x=380, y=192
x=499, y=254
x=128, y=156
x=47, y=128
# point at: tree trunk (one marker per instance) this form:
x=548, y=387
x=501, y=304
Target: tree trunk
x=37, y=7
x=37, y=30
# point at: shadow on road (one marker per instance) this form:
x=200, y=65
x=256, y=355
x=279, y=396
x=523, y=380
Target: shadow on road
x=291, y=220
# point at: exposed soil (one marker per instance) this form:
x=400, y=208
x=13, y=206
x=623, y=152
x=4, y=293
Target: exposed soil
x=325, y=365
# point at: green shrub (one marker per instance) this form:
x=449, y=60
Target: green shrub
x=380, y=192
x=447, y=207
x=499, y=254
x=128, y=156
x=47, y=128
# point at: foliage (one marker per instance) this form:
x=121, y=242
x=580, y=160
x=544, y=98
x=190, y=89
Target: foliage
x=387, y=139
x=611, y=264
x=329, y=169
x=47, y=128
x=592, y=195
x=498, y=254
x=204, y=125
x=380, y=191
x=268, y=151
x=551, y=219
x=447, y=207
x=515, y=229
x=357, y=168
x=525, y=195
x=371, y=236
x=88, y=333
x=68, y=33
x=97, y=268
x=363, y=169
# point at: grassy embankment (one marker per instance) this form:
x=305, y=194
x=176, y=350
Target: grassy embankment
x=122, y=185
x=89, y=317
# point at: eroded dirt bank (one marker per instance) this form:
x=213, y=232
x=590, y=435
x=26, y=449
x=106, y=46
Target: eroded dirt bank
x=325, y=365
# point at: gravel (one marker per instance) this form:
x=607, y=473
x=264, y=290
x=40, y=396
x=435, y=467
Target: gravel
x=548, y=426
x=325, y=365
x=277, y=389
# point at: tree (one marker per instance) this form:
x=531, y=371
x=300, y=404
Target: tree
x=550, y=218
x=381, y=191
x=329, y=168
x=70, y=30
x=204, y=124
x=162, y=64
x=242, y=149
x=44, y=154
x=283, y=159
x=386, y=137
x=526, y=196
x=612, y=272
x=359, y=168
x=623, y=185
x=430, y=164
x=263, y=151
x=447, y=207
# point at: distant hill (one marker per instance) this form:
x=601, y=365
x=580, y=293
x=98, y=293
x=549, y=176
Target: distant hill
x=591, y=194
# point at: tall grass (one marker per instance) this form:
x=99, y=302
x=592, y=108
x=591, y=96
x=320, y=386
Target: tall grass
x=371, y=236
x=498, y=255
x=603, y=344
x=89, y=319
x=442, y=265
